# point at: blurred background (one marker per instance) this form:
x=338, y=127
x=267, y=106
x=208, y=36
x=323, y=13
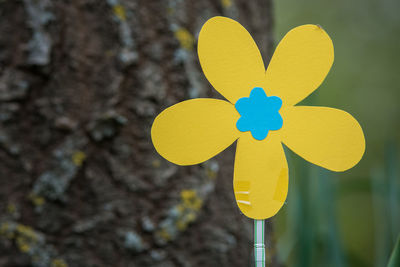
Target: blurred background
x=350, y=218
x=81, y=184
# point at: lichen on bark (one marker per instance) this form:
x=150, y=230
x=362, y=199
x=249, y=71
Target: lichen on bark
x=80, y=84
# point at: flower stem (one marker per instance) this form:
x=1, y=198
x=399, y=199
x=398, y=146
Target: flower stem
x=259, y=247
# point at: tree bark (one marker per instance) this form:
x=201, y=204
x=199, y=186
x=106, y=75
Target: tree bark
x=81, y=184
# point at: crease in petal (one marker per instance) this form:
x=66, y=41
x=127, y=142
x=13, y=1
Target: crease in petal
x=299, y=64
x=260, y=176
x=229, y=57
x=195, y=130
x=328, y=137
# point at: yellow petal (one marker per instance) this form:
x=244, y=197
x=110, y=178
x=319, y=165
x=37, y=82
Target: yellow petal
x=328, y=137
x=300, y=63
x=195, y=130
x=230, y=58
x=260, y=177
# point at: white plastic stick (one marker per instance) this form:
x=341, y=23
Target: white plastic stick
x=259, y=247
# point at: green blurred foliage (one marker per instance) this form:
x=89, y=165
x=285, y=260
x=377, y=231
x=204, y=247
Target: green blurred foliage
x=350, y=218
x=395, y=256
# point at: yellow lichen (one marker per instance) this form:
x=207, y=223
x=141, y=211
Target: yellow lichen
x=163, y=233
x=37, y=200
x=181, y=225
x=23, y=229
x=185, y=212
x=23, y=244
x=4, y=227
x=180, y=208
x=196, y=204
x=187, y=194
x=156, y=163
x=78, y=158
x=26, y=232
x=190, y=217
x=11, y=208
x=119, y=12
x=211, y=173
x=58, y=263
x=191, y=200
x=170, y=11
x=6, y=231
x=185, y=39
x=187, y=209
x=25, y=238
x=226, y=3
x=184, y=220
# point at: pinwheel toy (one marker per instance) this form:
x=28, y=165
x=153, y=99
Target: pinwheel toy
x=260, y=112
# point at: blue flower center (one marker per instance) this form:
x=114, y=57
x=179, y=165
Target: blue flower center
x=259, y=113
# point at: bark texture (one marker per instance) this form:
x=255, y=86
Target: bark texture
x=80, y=182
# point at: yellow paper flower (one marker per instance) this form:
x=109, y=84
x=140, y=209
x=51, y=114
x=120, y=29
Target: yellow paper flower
x=261, y=113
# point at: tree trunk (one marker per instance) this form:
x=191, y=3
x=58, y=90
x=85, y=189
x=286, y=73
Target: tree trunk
x=81, y=184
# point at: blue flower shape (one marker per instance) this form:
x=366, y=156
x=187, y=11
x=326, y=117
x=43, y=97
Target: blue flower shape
x=259, y=113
